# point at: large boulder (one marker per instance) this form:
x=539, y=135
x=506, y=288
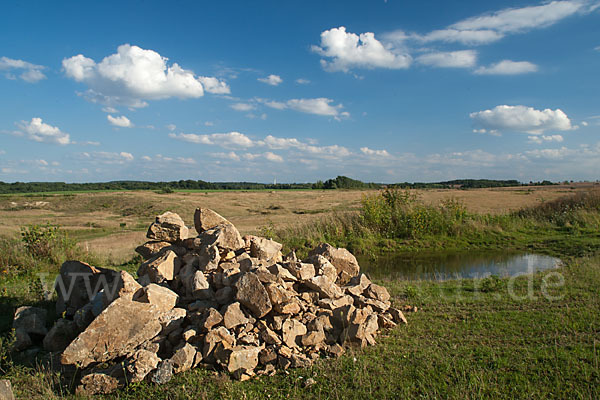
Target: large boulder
x=205, y=219
x=78, y=282
x=252, y=294
x=168, y=227
x=344, y=262
x=116, y=332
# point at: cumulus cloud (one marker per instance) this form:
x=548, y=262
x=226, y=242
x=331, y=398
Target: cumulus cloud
x=272, y=80
x=507, y=67
x=133, y=75
x=377, y=153
x=243, y=106
x=346, y=50
x=39, y=131
x=319, y=106
x=302, y=81
x=543, y=138
x=121, y=121
x=269, y=156
x=231, y=139
x=522, y=119
x=450, y=59
x=29, y=72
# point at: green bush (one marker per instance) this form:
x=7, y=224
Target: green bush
x=397, y=214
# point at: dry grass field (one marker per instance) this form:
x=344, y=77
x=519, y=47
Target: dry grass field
x=113, y=223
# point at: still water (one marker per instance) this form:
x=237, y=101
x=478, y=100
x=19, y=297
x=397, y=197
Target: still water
x=459, y=265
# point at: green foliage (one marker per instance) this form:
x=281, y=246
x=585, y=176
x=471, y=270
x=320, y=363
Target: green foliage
x=491, y=283
x=39, y=240
x=396, y=214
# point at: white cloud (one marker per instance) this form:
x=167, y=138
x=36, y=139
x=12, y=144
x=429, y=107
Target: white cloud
x=302, y=81
x=121, y=121
x=31, y=73
x=106, y=157
x=266, y=156
x=584, y=123
x=470, y=37
x=39, y=131
x=273, y=157
x=522, y=119
x=133, y=75
x=146, y=158
x=348, y=50
x=507, y=67
x=543, y=138
x=231, y=139
x=226, y=156
x=213, y=85
x=126, y=156
x=514, y=20
x=243, y=106
x=377, y=153
x=318, y=106
x=554, y=154
x=171, y=127
x=110, y=110
x=272, y=80
x=450, y=59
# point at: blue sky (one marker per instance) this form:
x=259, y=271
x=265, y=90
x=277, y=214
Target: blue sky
x=385, y=91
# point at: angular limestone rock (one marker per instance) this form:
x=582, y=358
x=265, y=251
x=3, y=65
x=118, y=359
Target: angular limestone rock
x=343, y=261
x=183, y=359
x=224, y=236
x=151, y=249
x=161, y=268
x=97, y=383
x=326, y=288
x=265, y=249
x=233, y=316
x=6, y=392
x=31, y=320
x=163, y=298
x=141, y=364
x=119, y=329
x=252, y=294
x=291, y=329
x=168, y=227
x=205, y=219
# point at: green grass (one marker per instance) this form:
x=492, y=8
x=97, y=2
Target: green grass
x=462, y=343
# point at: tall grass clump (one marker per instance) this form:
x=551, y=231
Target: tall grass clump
x=397, y=214
x=39, y=248
x=580, y=210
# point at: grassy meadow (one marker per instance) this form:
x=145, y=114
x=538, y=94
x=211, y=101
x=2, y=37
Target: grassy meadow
x=535, y=336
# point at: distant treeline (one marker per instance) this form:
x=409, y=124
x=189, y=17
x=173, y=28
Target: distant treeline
x=341, y=182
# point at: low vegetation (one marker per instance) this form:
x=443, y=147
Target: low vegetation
x=395, y=220
x=532, y=336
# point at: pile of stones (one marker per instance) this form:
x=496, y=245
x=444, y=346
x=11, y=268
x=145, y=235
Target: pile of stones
x=215, y=299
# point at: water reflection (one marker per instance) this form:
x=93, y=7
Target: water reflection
x=443, y=265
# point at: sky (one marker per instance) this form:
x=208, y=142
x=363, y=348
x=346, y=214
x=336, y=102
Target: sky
x=299, y=91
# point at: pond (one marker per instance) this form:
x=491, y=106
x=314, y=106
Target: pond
x=455, y=265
